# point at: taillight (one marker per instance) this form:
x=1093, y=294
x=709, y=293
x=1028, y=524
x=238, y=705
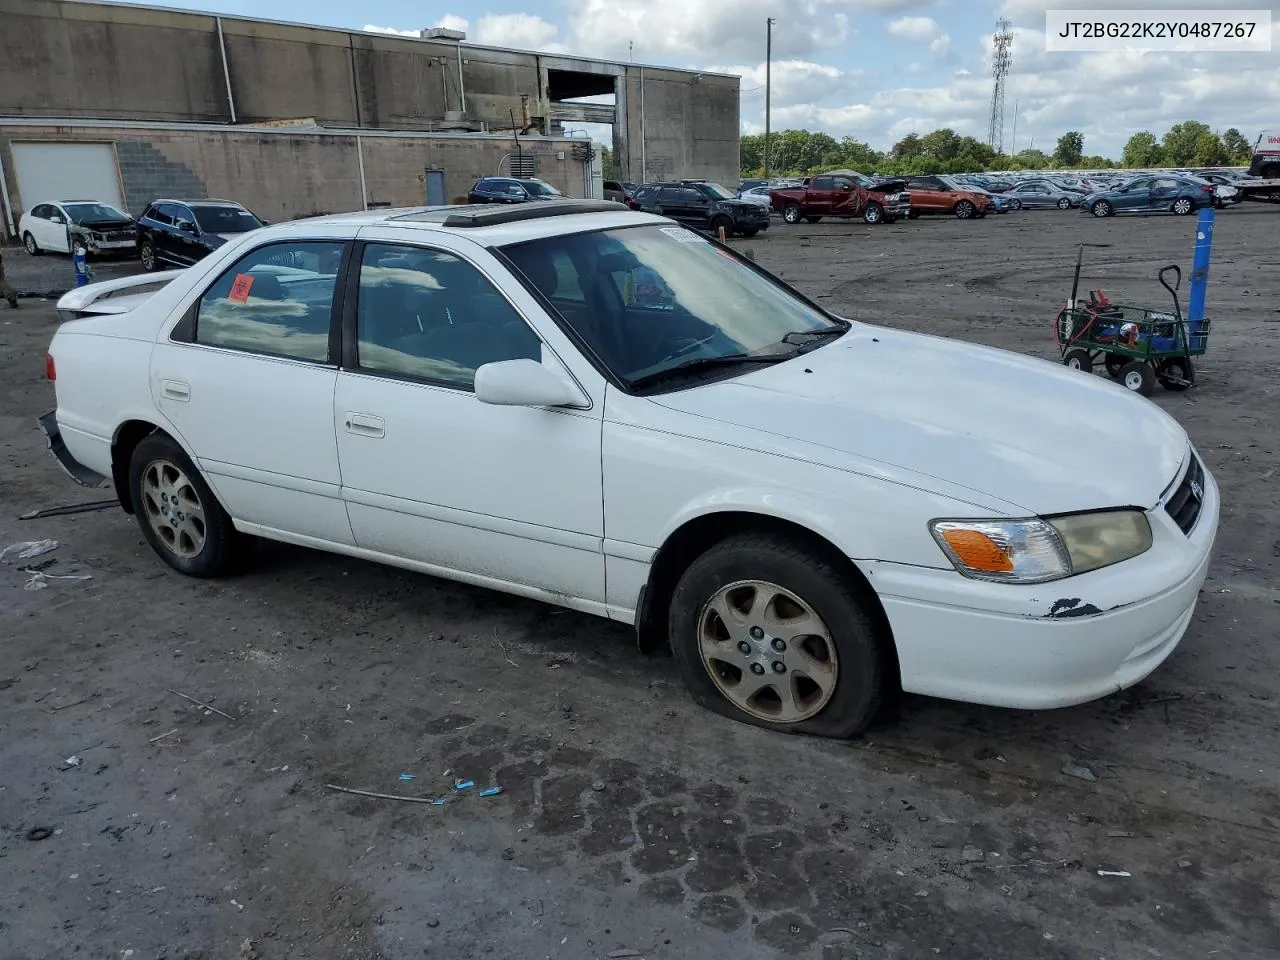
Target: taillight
x=50, y=369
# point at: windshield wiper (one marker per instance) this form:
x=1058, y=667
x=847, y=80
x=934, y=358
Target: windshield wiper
x=707, y=363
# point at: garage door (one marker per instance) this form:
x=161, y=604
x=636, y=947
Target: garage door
x=50, y=172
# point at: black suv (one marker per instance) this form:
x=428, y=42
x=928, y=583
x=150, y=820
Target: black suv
x=180, y=232
x=511, y=190
x=702, y=204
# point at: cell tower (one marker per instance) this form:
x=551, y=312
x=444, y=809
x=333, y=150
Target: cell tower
x=1001, y=61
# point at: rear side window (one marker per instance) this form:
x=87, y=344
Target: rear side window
x=277, y=300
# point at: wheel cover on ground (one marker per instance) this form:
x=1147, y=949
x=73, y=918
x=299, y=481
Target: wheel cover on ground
x=173, y=508
x=767, y=652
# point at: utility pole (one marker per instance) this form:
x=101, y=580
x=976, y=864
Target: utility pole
x=1013, y=141
x=768, y=88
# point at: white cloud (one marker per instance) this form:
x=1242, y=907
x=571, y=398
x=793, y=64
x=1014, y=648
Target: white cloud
x=940, y=44
x=794, y=81
x=913, y=28
x=373, y=28
x=520, y=30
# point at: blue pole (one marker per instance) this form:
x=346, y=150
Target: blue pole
x=1200, y=266
x=80, y=260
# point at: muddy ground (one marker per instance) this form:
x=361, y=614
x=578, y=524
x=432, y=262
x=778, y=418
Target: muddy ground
x=629, y=819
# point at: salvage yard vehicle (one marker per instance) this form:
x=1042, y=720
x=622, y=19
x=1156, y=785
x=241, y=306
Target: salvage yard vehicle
x=1151, y=194
x=180, y=232
x=604, y=410
x=701, y=204
x=59, y=227
x=1034, y=195
x=934, y=195
x=843, y=193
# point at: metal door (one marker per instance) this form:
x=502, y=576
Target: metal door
x=435, y=188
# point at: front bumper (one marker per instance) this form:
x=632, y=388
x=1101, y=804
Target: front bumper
x=1054, y=644
x=897, y=208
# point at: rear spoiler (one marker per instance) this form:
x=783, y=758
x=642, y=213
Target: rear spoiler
x=88, y=299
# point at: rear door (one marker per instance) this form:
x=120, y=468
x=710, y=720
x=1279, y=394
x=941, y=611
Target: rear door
x=1164, y=190
x=246, y=379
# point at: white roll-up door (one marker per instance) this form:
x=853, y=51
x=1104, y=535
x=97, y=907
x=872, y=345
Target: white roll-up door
x=52, y=172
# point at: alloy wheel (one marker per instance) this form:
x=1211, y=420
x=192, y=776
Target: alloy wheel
x=173, y=508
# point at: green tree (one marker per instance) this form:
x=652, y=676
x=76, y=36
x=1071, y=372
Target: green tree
x=940, y=145
x=1142, y=150
x=1096, y=163
x=1181, y=141
x=907, y=147
x=751, y=154
x=1209, y=151
x=1031, y=160
x=1239, y=150
x=606, y=162
x=1070, y=149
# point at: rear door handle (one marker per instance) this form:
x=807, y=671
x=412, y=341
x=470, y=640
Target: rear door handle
x=364, y=424
x=176, y=390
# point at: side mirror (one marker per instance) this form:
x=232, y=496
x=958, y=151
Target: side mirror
x=186, y=226
x=55, y=219
x=524, y=383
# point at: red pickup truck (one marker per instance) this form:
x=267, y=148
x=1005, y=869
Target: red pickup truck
x=843, y=193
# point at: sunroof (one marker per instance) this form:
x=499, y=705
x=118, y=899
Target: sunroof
x=491, y=214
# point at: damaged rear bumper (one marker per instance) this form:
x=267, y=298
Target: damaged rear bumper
x=76, y=470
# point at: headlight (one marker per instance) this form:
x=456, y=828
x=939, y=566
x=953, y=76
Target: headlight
x=1034, y=551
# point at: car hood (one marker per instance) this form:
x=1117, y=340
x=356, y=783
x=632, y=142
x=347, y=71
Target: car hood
x=107, y=224
x=1032, y=433
x=889, y=186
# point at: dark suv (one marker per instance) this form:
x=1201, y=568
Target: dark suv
x=511, y=190
x=180, y=232
x=702, y=204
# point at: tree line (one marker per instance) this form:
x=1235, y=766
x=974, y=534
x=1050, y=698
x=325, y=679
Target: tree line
x=796, y=152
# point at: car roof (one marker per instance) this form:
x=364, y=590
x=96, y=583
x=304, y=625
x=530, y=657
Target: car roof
x=201, y=201
x=487, y=224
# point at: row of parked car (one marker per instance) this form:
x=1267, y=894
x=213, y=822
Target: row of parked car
x=170, y=233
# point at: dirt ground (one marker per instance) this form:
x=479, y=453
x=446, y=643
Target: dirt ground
x=629, y=819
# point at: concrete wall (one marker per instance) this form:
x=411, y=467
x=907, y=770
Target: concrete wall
x=285, y=175
x=85, y=60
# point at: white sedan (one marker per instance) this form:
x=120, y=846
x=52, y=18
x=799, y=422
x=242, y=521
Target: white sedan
x=57, y=227
x=609, y=412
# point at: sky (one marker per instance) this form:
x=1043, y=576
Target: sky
x=875, y=70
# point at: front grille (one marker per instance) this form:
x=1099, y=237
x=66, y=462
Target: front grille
x=1185, y=504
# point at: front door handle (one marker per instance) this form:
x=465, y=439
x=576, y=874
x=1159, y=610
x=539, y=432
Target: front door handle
x=176, y=390
x=364, y=424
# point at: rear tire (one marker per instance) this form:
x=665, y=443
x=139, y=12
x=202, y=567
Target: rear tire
x=178, y=513
x=1137, y=375
x=1078, y=359
x=791, y=213
x=1176, y=374
x=828, y=680
x=1183, y=206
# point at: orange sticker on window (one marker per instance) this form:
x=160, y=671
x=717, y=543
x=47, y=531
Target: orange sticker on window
x=240, y=289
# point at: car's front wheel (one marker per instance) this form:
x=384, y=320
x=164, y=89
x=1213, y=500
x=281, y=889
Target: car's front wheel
x=874, y=213
x=1015, y=204
x=1064, y=203
x=178, y=513
x=1101, y=209
x=767, y=631
x=965, y=210
x=791, y=213
x=147, y=254
x=29, y=242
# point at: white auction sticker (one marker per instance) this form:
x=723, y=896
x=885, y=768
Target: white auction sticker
x=683, y=235
x=1173, y=31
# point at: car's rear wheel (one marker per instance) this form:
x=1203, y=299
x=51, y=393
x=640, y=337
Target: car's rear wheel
x=1137, y=375
x=791, y=213
x=769, y=632
x=964, y=210
x=874, y=213
x=179, y=515
x=147, y=254
x=1064, y=203
x=29, y=242
x=1101, y=209
x=1182, y=206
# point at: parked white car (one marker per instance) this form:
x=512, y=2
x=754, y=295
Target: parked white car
x=57, y=227
x=609, y=412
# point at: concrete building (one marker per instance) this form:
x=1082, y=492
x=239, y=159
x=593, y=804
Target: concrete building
x=293, y=120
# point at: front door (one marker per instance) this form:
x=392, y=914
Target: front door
x=246, y=379
x=504, y=495
x=1135, y=196
x=50, y=227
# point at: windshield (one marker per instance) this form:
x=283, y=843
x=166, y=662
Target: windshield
x=646, y=299
x=225, y=219
x=540, y=188
x=717, y=191
x=86, y=212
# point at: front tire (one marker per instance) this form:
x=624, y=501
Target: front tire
x=1101, y=209
x=1137, y=375
x=1015, y=204
x=1064, y=203
x=29, y=242
x=791, y=214
x=767, y=631
x=964, y=210
x=874, y=213
x=717, y=223
x=147, y=255
x=178, y=513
